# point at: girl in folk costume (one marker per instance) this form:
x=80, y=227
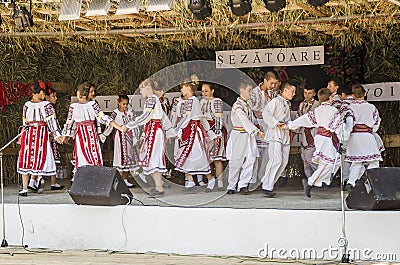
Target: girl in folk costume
x=152, y=151
x=159, y=92
x=192, y=157
x=51, y=96
x=35, y=155
x=241, y=149
x=212, y=109
x=81, y=125
x=125, y=153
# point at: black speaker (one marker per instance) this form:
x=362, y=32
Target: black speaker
x=95, y=185
x=377, y=189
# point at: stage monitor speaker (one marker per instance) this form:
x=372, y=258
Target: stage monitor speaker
x=94, y=185
x=378, y=189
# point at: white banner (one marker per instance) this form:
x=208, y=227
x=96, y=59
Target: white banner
x=389, y=91
x=270, y=57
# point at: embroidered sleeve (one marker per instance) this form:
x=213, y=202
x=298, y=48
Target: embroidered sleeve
x=100, y=116
x=148, y=108
x=256, y=99
x=218, y=115
x=307, y=120
x=51, y=120
x=248, y=126
x=186, y=109
x=70, y=123
x=175, y=112
x=377, y=120
x=109, y=128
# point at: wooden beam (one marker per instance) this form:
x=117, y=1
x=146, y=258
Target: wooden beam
x=310, y=9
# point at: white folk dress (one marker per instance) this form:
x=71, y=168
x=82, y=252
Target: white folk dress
x=82, y=125
x=212, y=110
x=157, y=127
x=192, y=156
x=125, y=152
x=36, y=155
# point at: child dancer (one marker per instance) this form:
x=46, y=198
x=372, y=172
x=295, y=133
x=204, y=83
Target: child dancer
x=325, y=140
x=275, y=113
x=241, y=149
x=35, y=155
x=152, y=151
x=192, y=157
x=51, y=96
x=125, y=152
x=81, y=125
x=212, y=109
x=362, y=147
x=308, y=134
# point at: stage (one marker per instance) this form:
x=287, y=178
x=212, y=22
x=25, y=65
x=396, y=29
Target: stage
x=285, y=227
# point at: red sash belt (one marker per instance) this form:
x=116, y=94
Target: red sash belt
x=362, y=128
x=324, y=132
x=146, y=149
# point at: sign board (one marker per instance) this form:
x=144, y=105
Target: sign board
x=389, y=91
x=297, y=56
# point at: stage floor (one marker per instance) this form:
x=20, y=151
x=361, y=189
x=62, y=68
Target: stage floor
x=287, y=198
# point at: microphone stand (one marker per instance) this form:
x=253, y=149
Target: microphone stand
x=4, y=243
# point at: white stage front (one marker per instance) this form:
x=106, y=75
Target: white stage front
x=210, y=231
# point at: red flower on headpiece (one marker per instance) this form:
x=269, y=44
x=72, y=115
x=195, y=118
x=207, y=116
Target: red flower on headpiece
x=42, y=85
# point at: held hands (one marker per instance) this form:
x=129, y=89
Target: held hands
x=122, y=128
x=60, y=139
x=281, y=125
x=261, y=135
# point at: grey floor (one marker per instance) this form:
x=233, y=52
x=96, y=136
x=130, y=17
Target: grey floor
x=289, y=197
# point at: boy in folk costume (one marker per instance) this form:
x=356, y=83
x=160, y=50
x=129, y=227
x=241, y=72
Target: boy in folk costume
x=157, y=127
x=35, y=155
x=325, y=140
x=344, y=112
x=260, y=96
x=241, y=149
x=276, y=113
x=308, y=134
x=333, y=86
x=81, y=125
x=362, y=147
x=125, y=153
x=192, y=156
x=212, y=109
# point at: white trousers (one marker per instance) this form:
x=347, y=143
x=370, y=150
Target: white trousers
x=240, y=170
x=260, y=165
x=322, y=174
x=357, y=169
x=278, y=155
x=309, y=166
